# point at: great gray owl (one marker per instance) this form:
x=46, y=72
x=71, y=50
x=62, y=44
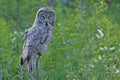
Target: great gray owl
x=37, y=38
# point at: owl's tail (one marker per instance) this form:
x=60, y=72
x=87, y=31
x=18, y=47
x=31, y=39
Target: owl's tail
x=23, y=58
x=22, y=61
x=29, y=63
x=27, y=57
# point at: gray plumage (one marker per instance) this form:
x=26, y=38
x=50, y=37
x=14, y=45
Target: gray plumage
x=38, y=37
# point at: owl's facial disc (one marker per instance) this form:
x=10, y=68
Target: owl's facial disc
x=46, y=18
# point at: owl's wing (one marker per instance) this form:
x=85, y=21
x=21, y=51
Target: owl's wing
x=33, y=38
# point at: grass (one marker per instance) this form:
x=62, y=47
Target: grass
x=85, y=44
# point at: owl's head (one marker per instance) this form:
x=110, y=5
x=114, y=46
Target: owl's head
x=45, y=16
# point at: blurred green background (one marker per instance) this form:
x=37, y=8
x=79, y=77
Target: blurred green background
x=85, y=45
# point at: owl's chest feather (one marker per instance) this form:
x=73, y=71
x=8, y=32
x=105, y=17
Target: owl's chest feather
x=45, y=39
x=47, y=34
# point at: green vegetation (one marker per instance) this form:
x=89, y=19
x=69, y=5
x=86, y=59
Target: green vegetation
x=85, y=45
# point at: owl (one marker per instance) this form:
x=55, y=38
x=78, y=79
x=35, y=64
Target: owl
x=38, y=37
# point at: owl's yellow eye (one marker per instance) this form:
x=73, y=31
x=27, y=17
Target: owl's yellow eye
x=43, y=17
x=49, y=17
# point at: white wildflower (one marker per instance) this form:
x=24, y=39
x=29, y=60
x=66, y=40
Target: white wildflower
x=103, y=55
x=64, y=42
x=117, y=71
x=92, y=66
x=101, y=2
x=112, y=48
x=15, y=32
x=114, y=67
x=119, y=50
x=103, y=48
x=96, y=60
x=99, y=57
x=59, y=24
x=100, y=34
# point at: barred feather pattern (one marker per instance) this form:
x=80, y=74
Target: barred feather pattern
x=37, y=40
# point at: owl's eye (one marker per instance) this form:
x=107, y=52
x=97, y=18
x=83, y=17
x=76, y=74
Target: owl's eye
x=43, y=17
x=49, y=17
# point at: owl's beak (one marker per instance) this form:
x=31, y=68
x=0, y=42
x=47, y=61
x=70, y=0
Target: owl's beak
x=46, y=23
